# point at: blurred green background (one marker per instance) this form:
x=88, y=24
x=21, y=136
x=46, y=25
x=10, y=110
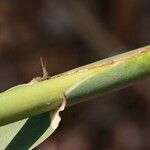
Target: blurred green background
x=68, y=34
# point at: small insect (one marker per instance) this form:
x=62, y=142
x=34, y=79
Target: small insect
x=45, y=73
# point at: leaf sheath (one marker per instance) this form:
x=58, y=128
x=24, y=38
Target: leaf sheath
x=79, y=84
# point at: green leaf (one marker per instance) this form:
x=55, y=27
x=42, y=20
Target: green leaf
x=25, y=134
x=28, y=133
x=32, y=100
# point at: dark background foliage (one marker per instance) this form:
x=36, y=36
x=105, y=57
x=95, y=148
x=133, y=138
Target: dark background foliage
x=67, y=34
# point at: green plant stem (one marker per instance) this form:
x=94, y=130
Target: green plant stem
x=79, y=84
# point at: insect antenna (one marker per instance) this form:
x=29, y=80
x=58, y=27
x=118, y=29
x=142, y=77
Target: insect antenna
x=45, y=72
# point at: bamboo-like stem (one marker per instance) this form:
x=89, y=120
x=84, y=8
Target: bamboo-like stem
x=79, y=84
